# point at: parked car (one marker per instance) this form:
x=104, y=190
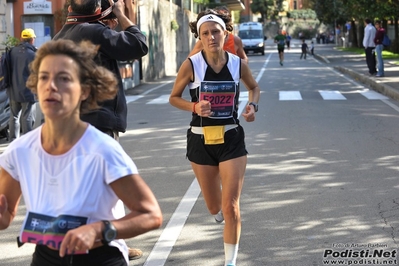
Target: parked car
x=4, y=114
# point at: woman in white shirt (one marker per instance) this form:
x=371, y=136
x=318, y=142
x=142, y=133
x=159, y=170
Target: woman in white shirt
x=73, y=177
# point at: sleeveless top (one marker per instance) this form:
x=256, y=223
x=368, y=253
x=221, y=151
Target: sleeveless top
x=229, y=44
x=202, y=72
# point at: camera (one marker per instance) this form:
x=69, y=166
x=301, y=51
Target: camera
x=105, y=4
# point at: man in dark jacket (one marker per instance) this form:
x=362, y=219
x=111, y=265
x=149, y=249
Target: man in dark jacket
x=127, y=44
x=21, y=98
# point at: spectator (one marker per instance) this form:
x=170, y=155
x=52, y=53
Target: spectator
x=67, y=170
x=379, y=36
x=127, y=44
x=348, y=26
x=288, y=41
x=323, y=38
x=301, y=36
x=304, y=49
x=312, y=48
x=21, y=98
x=369, y=46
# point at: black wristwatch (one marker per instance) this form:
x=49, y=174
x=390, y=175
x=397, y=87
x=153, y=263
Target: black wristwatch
x=255, y=105
x=109, y=232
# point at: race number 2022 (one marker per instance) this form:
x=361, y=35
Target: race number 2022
x=221, y=95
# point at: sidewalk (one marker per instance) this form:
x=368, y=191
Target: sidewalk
x=354, y=65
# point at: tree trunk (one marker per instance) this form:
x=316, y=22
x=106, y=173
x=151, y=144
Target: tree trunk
x=353, y=34
x=395, y=43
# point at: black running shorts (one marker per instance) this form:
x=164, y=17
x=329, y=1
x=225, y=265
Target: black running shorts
x=101, y=256
x=233, y=147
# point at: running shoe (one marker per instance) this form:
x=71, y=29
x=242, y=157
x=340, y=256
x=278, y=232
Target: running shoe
x=219, y=217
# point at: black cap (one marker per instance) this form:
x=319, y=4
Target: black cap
x=104, y=5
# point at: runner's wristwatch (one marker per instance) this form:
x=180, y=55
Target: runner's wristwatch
x=109, y=232
x=255, y=105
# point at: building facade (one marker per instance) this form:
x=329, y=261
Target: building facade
x=297, y=4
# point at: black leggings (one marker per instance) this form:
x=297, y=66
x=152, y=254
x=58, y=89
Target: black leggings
x=101, y=256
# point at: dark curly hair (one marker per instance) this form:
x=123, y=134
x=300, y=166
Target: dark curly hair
x=221, y=13
x=101, y=82
x=85, y=7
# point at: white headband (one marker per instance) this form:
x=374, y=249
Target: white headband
x=208, y=18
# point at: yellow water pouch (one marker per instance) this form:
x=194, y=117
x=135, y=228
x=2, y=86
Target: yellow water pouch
x=213, y=135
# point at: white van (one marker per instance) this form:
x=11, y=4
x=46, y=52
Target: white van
x=251, y=34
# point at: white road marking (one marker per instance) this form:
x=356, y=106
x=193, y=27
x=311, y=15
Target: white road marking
x=373, y=95
x=160, y=100
x=290, y=96
x=331, y=95
x=167, y=240
x=132, y=98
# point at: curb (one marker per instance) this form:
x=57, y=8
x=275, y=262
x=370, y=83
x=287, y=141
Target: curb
x=375, y=85
x=321, y=58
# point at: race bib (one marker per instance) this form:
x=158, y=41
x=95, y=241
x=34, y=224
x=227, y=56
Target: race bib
x=47, y=230
x=221, y=95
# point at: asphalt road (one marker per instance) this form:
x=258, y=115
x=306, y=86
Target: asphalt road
x=321, y=180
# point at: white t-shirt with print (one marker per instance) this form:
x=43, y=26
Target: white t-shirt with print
x=74, y=183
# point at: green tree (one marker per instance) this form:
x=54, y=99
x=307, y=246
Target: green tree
x=264, y=7
x=10, y=41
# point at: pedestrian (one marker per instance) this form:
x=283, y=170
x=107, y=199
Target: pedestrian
x=369, y=46
x=74, y=179
x=312, y=48
x=21, y=98
x=288, y=41
x=379, y=36
x=280, y=40
x=215, y=139
x=233, y=43
x=124, y=45
x=304, y=49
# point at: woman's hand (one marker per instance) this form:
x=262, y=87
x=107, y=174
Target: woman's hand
x=203, y=108
x=80, y=239
x=249, y=114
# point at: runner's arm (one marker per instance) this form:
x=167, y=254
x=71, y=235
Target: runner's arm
x=10, y=195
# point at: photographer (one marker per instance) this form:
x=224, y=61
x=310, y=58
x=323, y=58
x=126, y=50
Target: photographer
x=127, y=44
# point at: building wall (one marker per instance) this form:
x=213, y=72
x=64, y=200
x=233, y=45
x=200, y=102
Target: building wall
x=42, y=16
x=5, y=22
x=167, y=48
x=246, y=14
